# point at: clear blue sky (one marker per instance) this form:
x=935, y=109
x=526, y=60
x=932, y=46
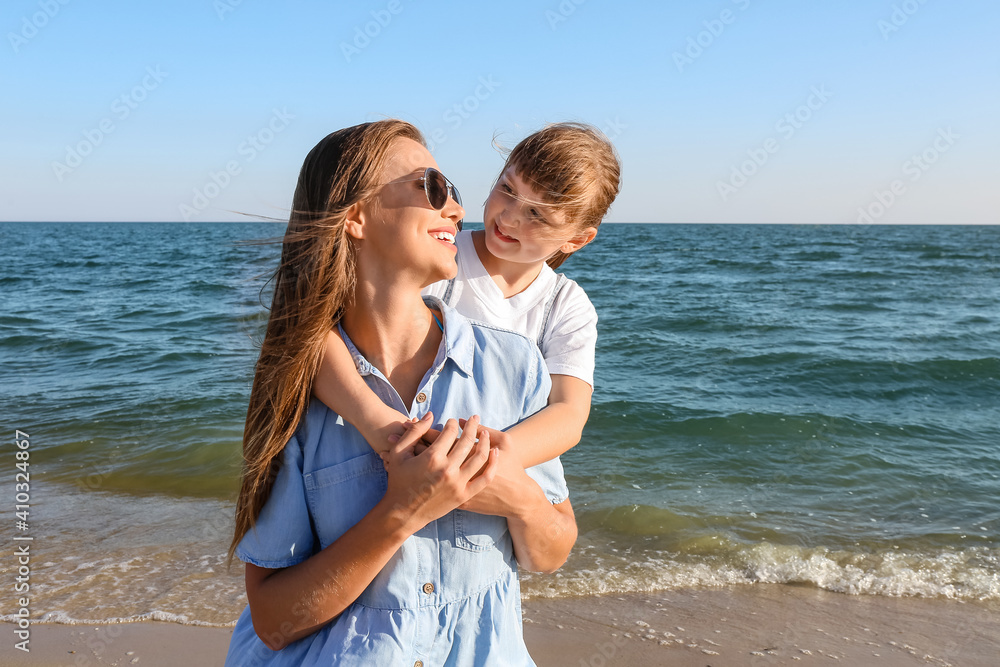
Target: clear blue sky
x=722, y=110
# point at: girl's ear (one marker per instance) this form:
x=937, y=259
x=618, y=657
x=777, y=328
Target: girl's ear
x=578, y=241
x=354, y=221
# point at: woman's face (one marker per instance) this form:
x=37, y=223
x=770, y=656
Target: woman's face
x=402, y=232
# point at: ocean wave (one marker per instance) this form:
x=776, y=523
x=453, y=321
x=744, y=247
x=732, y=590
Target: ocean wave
x=815, y=256
x=210, y=600
x=63, y=618
x=967, y=574
x=49, y=343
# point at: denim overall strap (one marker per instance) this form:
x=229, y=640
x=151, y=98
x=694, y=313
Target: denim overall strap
x=560, y=283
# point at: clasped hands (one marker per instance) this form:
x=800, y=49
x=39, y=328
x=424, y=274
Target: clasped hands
x=464, y=465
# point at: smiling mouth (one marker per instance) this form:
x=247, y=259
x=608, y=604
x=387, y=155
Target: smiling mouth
x=503, y=237
x=447, y=237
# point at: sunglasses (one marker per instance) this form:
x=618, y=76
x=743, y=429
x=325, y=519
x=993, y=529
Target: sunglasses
x=438, y=188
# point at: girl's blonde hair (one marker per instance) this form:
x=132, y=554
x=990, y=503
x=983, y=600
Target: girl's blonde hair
x=575, y=167
x=312, y=287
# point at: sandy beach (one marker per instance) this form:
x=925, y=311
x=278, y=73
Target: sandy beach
x=745, y=625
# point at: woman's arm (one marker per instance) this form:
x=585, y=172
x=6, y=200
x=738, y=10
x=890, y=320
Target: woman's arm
x=290, y=603
x=342, y=390
x=543, y=534
x=552, y=431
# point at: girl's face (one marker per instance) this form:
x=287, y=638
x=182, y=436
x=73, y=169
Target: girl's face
x=521, y=229
x=403, y=233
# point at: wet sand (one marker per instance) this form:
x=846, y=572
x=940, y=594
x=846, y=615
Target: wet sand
x=761, y=625
x=744, y=625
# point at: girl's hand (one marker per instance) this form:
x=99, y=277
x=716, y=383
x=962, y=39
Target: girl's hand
x=498, y=439
x=452, y=469
x=423, y=443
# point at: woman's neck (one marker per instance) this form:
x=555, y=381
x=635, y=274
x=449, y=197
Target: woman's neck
x=511, y=277
x=395, y=331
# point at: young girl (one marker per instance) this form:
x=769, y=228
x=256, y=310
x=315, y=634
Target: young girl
x=547, y=203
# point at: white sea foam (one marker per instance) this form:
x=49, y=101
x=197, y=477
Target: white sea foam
x=63, y=618
x=139, y=572
x=968, y=574
x=109, y=593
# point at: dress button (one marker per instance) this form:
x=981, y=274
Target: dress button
x=418, y=663
x=421, y=397
x=428, y=588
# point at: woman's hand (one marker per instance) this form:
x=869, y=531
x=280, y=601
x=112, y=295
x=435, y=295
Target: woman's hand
x=543, y=534
x=290, y=603
x=454, y=467
x=505, y=494
x=498, y=439
x=510, y=483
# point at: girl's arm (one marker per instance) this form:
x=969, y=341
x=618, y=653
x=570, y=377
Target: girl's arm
x=555, y=429
x=290, y=603
x=543, y=534
x=542, y=542
x=342, y=390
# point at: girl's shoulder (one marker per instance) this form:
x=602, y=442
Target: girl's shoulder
x=568, y=294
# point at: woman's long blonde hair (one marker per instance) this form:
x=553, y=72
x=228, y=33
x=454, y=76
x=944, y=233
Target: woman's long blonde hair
x=312, y=287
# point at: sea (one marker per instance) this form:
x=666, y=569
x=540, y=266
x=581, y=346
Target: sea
x=802, y=405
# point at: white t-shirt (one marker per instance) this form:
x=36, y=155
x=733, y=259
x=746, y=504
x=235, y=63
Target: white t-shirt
x=565, y=327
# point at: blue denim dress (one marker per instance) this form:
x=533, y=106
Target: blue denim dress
x=450, y=594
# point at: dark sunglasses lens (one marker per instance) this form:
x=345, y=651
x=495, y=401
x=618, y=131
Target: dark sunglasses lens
x=458, y=200
x=437, y=189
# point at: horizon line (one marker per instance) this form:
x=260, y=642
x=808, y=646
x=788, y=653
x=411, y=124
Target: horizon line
x=284, y=222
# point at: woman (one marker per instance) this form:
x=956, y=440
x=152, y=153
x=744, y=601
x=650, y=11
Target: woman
x=352, y=560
